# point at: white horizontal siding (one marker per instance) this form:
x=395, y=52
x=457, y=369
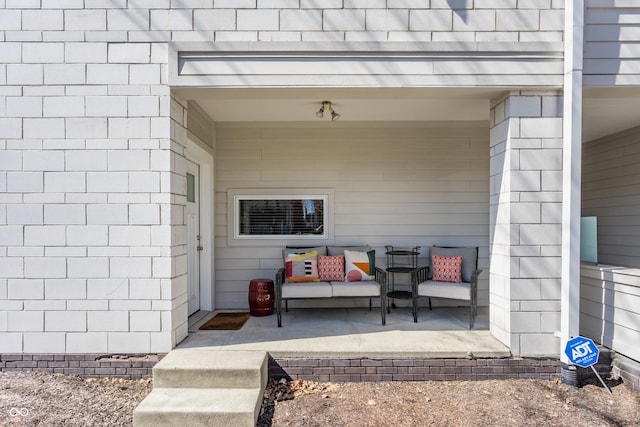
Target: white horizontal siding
x=612, y=43
x=199, y=125
x=402, y=184
x=609, y=301
x=611, y=191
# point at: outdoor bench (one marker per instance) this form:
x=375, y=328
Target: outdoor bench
x=329, y=272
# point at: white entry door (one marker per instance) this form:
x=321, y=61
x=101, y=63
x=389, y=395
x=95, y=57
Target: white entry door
x=194, y=246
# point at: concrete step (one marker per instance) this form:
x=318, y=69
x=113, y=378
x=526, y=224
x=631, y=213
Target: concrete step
x=204, y=387
x=206, y=368
x=228, y=407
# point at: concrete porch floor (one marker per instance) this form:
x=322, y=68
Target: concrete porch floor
x=357, y=333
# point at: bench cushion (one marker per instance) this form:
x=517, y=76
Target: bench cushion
x=306, y=290
x=460, y=291
x=356, y=289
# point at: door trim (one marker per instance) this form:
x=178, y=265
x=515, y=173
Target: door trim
x=207, y=272
x=192, y=219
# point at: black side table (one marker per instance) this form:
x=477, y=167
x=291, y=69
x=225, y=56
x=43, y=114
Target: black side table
x=400, y=261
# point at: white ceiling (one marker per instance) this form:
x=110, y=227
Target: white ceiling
x=604, y=111
x=607, y=111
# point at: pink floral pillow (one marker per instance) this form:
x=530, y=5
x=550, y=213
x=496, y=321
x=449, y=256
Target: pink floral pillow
x=447, y=268
x=331, y=268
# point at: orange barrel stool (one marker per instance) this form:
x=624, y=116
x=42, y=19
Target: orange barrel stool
x=261, y=297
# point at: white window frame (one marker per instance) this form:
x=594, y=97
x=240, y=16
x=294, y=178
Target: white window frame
x=235, y=196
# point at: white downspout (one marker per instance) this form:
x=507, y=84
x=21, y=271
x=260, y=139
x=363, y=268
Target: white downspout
x=571, y=172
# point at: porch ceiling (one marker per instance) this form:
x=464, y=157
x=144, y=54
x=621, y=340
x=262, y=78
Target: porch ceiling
x=609, y=110
x=353, y=104
x=605, y=110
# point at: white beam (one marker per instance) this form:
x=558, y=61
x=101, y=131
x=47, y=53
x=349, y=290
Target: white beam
x=571, y=173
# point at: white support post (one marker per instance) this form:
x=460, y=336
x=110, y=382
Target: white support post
x=572, y=173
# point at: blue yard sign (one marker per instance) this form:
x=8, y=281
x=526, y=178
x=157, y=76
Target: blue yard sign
x=582, y=351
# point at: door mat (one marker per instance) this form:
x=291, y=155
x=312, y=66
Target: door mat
x=226, y=322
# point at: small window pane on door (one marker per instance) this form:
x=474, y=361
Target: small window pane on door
x=191, y=188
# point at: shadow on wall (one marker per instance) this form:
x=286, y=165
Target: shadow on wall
x=458, y=7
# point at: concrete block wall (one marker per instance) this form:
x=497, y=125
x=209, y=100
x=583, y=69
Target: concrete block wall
x=86, y=258
x=91, y=147
x=265, y=20
x=525, y=215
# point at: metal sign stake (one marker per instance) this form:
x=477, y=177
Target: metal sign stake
x=601, y=380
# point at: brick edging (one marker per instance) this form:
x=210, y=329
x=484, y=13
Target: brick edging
x=135, y=366
x=127, y=366
x=628, y=378
x=355, y=370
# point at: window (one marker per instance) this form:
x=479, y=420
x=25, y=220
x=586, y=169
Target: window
x=191, y=188
x=280, y=216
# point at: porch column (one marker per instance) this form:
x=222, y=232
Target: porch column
x=574, y=36
x=525, y=219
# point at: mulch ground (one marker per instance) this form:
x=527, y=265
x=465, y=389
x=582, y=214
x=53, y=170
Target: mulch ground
x=44, y=399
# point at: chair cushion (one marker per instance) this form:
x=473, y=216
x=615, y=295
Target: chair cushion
x=469, y=256
x=430, y=288
x=306, y=290
x=356, y=289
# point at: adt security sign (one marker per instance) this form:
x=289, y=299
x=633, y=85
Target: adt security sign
x=582, y=351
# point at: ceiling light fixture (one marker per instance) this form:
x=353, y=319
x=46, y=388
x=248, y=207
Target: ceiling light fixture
x=326, y=106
